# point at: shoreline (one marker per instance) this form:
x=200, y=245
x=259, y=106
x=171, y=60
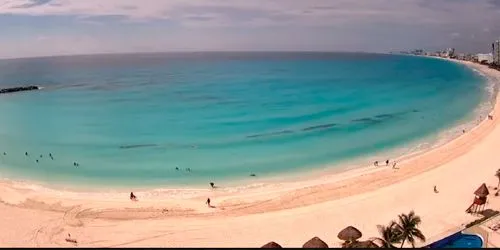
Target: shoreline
x=346, y=198
x=348, y=168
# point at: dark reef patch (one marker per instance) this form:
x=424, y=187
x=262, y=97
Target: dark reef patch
x=322, y=126
x=271, y=134
x=138, y=146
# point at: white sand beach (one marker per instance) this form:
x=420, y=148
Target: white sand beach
x=289, y=213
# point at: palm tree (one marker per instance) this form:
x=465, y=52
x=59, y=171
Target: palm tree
x=407, y=225
x=497, y=174
x=391, y=235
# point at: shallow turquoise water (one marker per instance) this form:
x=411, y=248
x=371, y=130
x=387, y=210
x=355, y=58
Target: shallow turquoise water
x=132, y=119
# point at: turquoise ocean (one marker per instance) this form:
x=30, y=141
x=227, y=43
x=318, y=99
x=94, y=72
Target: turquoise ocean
x=132, y=119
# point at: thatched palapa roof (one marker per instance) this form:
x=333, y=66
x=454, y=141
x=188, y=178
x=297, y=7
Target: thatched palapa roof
x=482, y=191
x=315, y=243
x=271, y=244
x=349, y=233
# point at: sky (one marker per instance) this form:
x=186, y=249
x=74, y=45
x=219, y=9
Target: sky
x=31, y=28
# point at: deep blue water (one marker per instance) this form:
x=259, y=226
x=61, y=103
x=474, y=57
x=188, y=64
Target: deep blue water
x=466, y=241
x=132, y=119
x=458, y=240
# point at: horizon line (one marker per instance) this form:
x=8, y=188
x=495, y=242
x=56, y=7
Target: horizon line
x=192, y=52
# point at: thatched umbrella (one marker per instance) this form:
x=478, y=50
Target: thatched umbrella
x=271, y=244
x=349, y=234
x=363, y=244
x=482, y=191
x=315, y=243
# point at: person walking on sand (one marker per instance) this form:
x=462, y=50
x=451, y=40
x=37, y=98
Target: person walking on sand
x=435, y=189
x=394, y=165
x=133, y=197
x=387, y=163
x=208, y=202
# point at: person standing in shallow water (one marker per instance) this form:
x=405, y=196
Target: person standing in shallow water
x=208, y=202
x=375, y=164
x=387, y=163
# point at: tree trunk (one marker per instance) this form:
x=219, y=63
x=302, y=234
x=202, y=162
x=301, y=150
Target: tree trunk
x=402, y=243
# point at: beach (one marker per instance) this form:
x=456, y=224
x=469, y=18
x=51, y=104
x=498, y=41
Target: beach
x=289, y=213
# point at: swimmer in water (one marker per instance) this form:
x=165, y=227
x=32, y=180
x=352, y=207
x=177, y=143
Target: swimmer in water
x=26, y=153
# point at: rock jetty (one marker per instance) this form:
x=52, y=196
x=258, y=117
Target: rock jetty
x=18, y=89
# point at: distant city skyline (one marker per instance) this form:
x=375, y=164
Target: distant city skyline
x=32, y=28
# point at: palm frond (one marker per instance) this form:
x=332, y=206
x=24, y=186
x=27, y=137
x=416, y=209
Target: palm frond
x=408, y=227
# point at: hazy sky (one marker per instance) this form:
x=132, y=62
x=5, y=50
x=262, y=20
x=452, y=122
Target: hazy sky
x=54, y=27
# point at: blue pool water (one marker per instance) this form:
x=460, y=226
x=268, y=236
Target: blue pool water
x=466, y=241
x=459, y=240
x=132, y=119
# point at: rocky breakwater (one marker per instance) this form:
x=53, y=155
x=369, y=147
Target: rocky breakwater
x=18, y=89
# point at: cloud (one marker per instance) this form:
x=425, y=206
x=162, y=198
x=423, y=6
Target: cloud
x=42, y=38
x=237, y=12
x=86, y=26
x=495, y=3
x=31, y=4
